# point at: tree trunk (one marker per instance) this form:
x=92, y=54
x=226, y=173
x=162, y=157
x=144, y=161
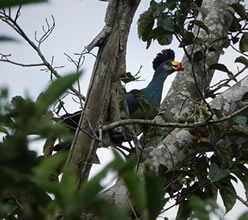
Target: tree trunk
x=174, y=149
x=109, y=66
x=184, y=88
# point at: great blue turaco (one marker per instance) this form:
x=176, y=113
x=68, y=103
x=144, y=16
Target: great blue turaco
x=164, y=65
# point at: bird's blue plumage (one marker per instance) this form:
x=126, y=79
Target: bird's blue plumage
x=131, y=102
x=153, y=92
x=162, y=66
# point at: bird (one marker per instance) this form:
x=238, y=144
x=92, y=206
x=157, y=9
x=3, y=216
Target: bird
x=163, y=65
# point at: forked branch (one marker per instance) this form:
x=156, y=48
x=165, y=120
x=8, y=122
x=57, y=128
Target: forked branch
x=12, y=22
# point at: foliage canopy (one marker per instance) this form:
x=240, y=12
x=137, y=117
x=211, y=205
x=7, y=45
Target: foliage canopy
x=30, y=185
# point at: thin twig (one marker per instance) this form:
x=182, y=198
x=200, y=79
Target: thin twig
x=187, y=195
x=22, y=64
x=242, y=200
x=18, y=13
x=225, y=82
x=12, y=23
x=197, y=86
x=171, y=124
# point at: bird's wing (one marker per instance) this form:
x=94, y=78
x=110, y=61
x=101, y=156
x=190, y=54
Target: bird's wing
x=131, y=102
x=139, y=106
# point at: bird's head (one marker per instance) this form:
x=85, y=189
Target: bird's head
x=165, y=61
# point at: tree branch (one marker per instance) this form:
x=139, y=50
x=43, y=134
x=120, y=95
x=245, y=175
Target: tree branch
x=13, y=23
x=4, y=58
x=242, y=200
x=177, y=146
x=171, y=124
x=184, y=82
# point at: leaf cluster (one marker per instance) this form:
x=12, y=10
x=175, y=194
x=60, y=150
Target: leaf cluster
x=216, y=169
x=31, y=187
x=22, y=121
x=164, y=19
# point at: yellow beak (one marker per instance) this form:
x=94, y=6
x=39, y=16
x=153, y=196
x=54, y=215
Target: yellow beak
x=177, y=66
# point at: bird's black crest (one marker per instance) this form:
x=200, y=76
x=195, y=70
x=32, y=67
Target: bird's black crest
x=167, y=54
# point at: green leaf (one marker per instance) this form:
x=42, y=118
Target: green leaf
x=7, y=208
x=218, y=113
x=109, y=211
x=170, y=4
x=201, y=25
x=166, y=23
x=198, y=70
x=54, y=91
x=198, y=56
x=155, y=15
x=154, y=194
x=17, y=100
x=203, y=11
x=163, y=38
x=88, y=199
x=235, y=26
x=4, y=130
x=4, y=38
x=46, y=173
x=89, y=191
x=135, y=186
x=242, y=120
x=215, y=40
x=188, y=38
x=49, y=165
x=243, y=43
x=216, y=174
x=145, y=25
x=157, y=8
x=141, y=99
x=240, y=10
x=3, y=93
x=68, y=184
x=211, y=191
x=220, y=67
x=200, y=170
x=202, y=208
x=228, y=194
x=184, y=211
x=11, y=3
x=242, y=173
x=48, y=146
x=242, y=60
x=244, y=216
x=234, y=40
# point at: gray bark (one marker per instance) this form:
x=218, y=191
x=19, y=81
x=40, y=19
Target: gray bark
x=175, y=148
x=112, y=44
x=183, y=88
